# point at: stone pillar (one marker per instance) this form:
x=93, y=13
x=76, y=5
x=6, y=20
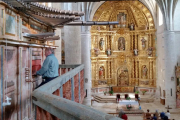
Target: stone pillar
x=58, y=32
x=85, y=57
x=169, y=71
x=72, y=39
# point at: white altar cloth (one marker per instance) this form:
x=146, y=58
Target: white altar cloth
x=127, y=102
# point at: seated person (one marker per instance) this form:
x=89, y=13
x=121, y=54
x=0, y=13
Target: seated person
x=168, y=114
x=121, y=113
x=165, y=118
x=157, y=114
x=148, y=115
x=124, y=116
x=162, y=114
x=154, y=117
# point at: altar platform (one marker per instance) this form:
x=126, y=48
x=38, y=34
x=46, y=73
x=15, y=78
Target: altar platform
x=101, y=98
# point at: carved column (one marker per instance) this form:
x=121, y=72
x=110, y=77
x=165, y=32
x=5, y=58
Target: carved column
x=109, y=72
x=97, y=73
x=135, y=41
x=72, y=38
x=132, y=41
x=138, y=71
x=150, y=40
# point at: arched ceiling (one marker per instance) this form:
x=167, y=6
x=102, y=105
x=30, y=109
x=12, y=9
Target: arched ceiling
x=137, y=12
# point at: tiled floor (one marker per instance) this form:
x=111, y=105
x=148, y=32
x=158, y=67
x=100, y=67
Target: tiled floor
x=156, y=105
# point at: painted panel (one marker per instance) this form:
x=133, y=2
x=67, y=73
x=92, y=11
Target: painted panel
x=10, y=24
x=10, y=82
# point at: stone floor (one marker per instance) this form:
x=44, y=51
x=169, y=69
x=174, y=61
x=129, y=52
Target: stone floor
x=111, y=108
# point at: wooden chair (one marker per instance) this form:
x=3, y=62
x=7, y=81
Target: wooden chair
x=126, y=96
x=118, y=97
x=136, y=96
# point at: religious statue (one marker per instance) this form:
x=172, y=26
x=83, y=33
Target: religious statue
x=121, y=19
x=177, y=71
x=144, y=71
x=101, y=43
x=96, y=50
x=150, y=51
x=101, y=69
x=143, y=42
x=135, y=52
x=121, y=44
x=108, y=52
x=131, y=26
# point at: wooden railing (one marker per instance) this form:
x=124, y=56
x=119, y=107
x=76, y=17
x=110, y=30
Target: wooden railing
x=60, y=98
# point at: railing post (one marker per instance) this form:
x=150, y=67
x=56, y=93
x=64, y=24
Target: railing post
x=61, y=91
x=79, y=87
x=72, y=89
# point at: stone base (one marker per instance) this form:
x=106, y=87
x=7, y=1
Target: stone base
x=100, y=90
x=149, y=90
x=122, y=89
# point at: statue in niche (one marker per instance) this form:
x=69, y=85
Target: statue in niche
x=143, y=42
x=150, y=51
x=144, y=71
x=108, y=52
x=121, y=18
x=121, y=43
x=101, y=72
x=101, y=43
x=136, y=52
x=131, y=26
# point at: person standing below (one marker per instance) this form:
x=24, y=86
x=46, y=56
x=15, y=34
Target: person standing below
x=168, y=114
x=49, y=70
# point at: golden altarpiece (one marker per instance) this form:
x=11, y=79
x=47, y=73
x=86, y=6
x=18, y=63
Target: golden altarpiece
x=123, y=55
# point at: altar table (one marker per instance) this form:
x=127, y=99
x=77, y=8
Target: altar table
x=127, y=102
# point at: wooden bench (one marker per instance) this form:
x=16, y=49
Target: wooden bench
x=152, y=114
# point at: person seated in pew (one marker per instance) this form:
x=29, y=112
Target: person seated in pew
x=124, y=116
x=157, y=114
x=154, y=117
x=148, y=115
x=165, y=118
x=121, y=113
x=162, y=114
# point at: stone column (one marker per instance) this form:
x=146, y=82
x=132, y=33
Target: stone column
x=72, y=39
x=85, y=57
x=170, y=63
x=58, y=32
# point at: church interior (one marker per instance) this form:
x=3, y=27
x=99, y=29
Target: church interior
x=114, y=56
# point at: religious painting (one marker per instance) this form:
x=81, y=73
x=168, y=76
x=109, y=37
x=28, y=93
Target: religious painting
x=144, y=71
x=121, y=43
x=121, y=18
x=10, y=25
x=101, y=72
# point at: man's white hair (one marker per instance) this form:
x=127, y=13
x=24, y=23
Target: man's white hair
x=50, y=49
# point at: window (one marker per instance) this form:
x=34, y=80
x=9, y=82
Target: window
x=160, y=18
